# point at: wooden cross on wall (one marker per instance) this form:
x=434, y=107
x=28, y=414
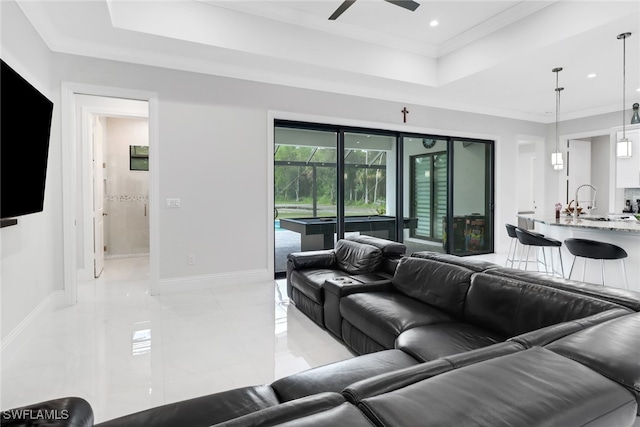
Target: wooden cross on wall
x=404, y=112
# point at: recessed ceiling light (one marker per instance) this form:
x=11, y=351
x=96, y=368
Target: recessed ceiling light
x=434, y=23
x=591, y=76
x=638, y=89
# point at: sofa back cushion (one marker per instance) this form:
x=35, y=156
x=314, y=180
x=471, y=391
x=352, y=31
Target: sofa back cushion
x=630, y=299
x=357, y=258
x=388, y=247
x=512, y=307
x=441, y=285
x=476, y=265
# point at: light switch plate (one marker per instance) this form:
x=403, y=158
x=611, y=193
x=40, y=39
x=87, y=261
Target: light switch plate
x=173, y=203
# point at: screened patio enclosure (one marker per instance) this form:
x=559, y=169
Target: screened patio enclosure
x=305, y=173
x=330, y=181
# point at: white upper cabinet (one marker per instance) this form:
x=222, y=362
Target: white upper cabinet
x=628, y=168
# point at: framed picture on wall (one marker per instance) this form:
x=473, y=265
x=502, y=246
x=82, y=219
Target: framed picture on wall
x=138, y=158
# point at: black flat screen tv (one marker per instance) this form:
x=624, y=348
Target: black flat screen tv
x=25, y=126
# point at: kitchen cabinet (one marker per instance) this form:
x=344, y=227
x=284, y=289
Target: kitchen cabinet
x=628, y=168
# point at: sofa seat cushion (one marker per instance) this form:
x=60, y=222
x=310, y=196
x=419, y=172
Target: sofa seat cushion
x=527, y=388
x=202, y=411
x=382, y=316
x=431, y=342
x=357, y=258
x=311, y=281
x=334, y=377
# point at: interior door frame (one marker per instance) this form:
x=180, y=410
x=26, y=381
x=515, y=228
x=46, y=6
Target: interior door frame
x=97, y=162
x=71, y=151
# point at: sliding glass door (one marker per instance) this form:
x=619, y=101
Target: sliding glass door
x=329, y=182
x=472, y=197
x=430, y=192
x=425, y=175
x=305, y=186
x=369, y=184
x=448, y=189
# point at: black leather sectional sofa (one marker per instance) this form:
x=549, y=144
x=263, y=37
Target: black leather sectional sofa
x=444, y=341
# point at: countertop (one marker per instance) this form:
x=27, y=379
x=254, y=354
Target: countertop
x=585, y=221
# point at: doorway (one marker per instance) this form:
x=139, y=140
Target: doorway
x=124, y=187
x=108, y=128
x=80, y=103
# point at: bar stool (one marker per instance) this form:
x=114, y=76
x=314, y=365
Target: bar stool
x=528, y=239
x=593, y=249
x=511, y=255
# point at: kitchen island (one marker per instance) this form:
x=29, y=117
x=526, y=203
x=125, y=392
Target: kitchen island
x=623, y=233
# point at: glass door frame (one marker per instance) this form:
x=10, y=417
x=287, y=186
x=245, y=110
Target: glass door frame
x=450, y=151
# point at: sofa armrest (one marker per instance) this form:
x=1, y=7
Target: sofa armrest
x=344, y=288
x=334, y=290
x=63, y=412
x=313, y=259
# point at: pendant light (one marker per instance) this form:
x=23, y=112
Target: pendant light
x=556, y=156
x=623, y=147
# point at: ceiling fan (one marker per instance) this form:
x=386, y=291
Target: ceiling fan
x=407, y=4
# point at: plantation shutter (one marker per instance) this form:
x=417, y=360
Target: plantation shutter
x=440, y=191
x=422, y=193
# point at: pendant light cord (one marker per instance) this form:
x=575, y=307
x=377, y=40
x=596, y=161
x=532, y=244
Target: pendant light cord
x=624, y=36
x=558, y=90
x=624, y=79
x=557, y=111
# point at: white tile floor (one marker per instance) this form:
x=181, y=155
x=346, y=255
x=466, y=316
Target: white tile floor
x=124, y=350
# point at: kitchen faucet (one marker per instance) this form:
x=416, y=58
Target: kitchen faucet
x=593, y=201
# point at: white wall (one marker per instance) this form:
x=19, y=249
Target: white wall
x=31, y=251
x=600, y=172
x=214, y=158
x=525, y=176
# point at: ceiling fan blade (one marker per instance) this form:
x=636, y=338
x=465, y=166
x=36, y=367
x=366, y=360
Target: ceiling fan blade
x=407, y=4
x=340, y=10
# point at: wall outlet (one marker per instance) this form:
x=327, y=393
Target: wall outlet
x=192, y=260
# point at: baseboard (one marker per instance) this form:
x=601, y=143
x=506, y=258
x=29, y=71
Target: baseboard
x=20, y=334
x=125, y=256
x=212, y=281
